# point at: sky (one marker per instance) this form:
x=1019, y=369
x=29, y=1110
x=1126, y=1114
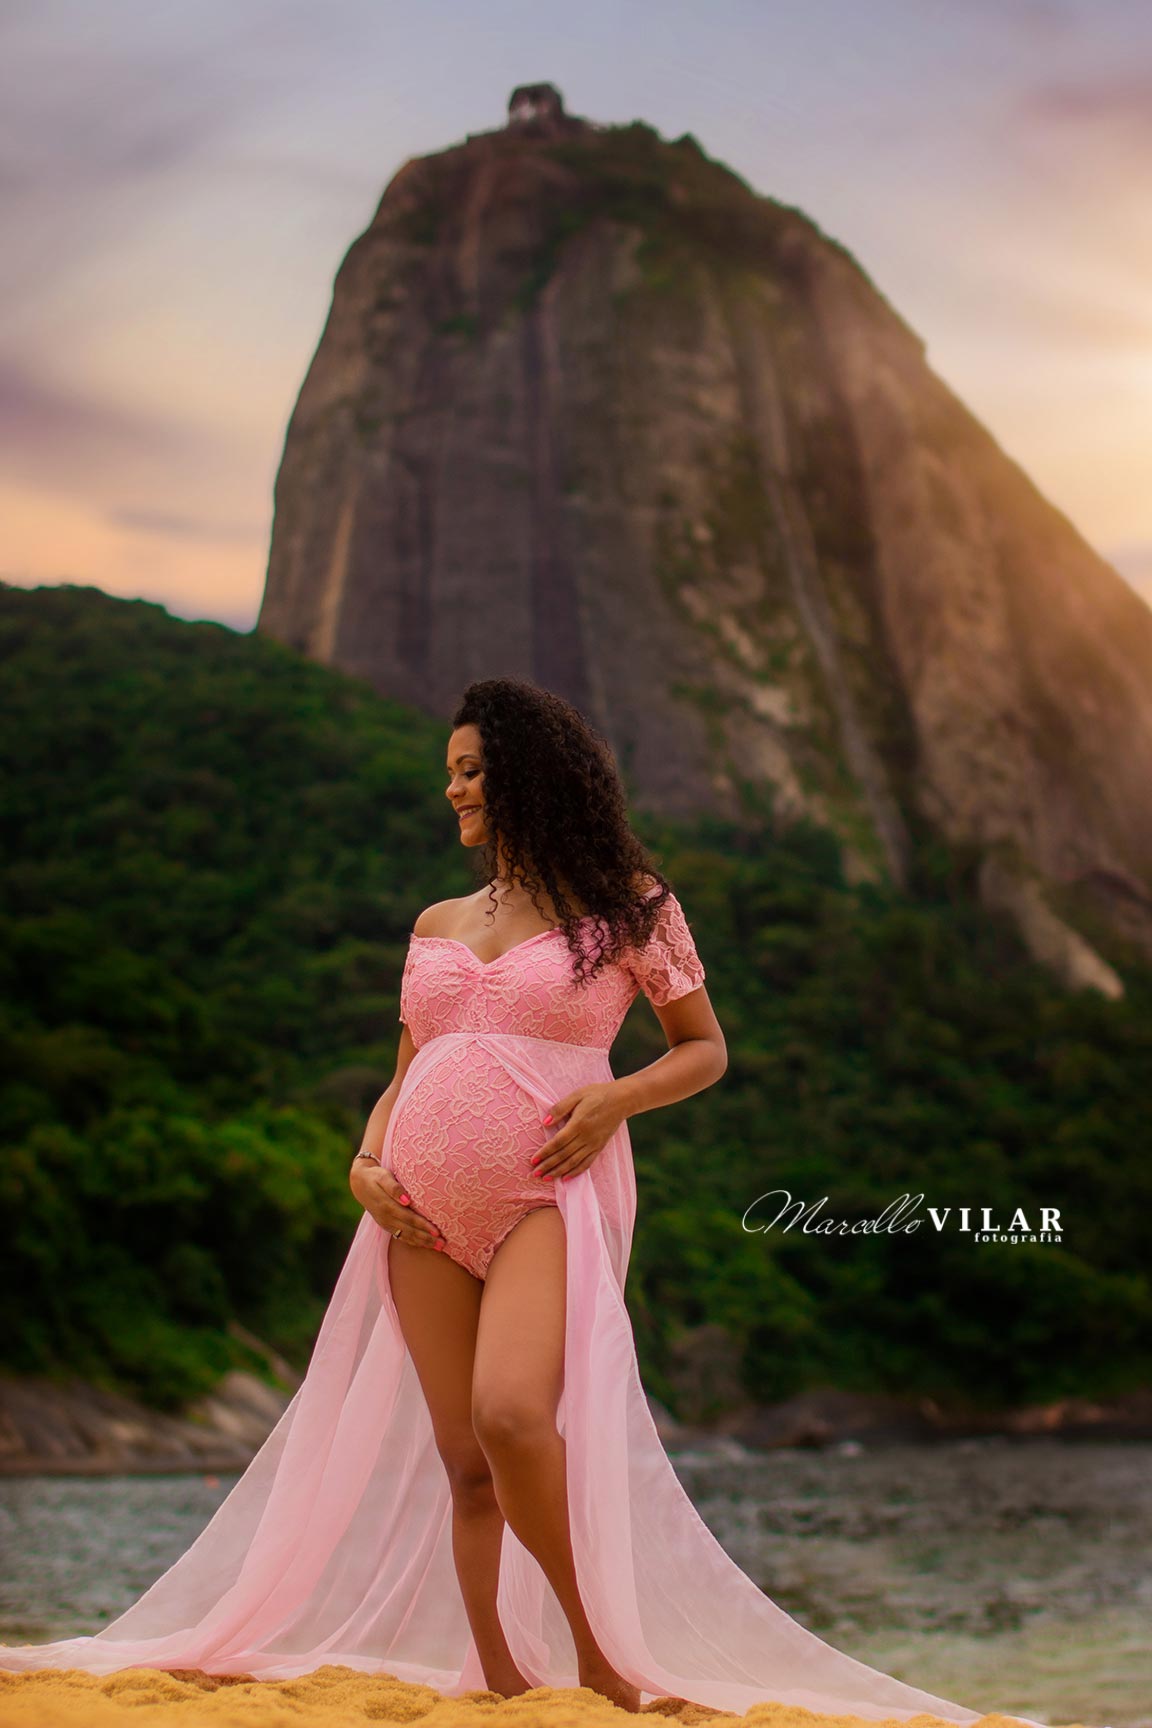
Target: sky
x=179, y=184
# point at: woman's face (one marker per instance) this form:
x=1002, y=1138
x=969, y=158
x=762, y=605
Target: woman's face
x=465, y=789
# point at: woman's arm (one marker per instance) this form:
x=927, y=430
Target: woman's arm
x=377, y=1125
x=374, y=1186
x=696, y=1057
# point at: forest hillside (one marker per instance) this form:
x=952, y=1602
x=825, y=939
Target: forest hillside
x=213, y=852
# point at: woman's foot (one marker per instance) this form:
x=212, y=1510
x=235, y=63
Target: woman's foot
x=600, y=1676
x=510, y=1685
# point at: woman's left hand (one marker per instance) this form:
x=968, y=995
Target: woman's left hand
x=594, y=1113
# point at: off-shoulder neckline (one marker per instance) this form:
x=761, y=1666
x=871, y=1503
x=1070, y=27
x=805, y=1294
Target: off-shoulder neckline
x=556, y=930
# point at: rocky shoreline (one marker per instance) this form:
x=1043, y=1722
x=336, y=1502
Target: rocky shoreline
x=827, y=1416
x=72, y=1428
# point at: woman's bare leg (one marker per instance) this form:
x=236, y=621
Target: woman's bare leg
x=518, y=1380
x=438, y=1304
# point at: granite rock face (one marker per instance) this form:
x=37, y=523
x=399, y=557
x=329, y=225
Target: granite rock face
x=588, y=410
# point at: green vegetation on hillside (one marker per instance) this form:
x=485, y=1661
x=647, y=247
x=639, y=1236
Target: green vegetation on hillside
x=213, y=852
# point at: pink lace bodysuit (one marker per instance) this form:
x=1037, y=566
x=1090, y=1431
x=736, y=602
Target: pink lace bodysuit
x=463, y=1134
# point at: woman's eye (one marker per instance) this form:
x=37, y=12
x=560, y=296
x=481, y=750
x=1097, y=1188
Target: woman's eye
x=471, y=773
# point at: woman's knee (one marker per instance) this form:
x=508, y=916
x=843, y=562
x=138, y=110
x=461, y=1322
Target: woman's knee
x=469, y=1473
x=511, y=1420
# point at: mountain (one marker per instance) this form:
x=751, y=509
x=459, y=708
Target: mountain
x=590, y=410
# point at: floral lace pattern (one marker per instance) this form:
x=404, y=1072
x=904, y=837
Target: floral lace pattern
x=530, y=989
x=462, y=1145
x=669, y=966
x=464, y=1135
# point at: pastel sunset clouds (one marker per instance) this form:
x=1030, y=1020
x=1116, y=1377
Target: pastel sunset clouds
x=180, y=185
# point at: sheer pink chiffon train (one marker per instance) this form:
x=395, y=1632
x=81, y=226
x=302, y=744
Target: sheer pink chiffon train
x=336, y=1544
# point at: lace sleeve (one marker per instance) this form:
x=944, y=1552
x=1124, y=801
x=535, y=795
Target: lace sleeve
x=669, y=966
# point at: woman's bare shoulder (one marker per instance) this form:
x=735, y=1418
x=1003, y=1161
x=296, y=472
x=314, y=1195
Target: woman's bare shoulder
x=440, y=918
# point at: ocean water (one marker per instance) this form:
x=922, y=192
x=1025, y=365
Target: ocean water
x=1007, y=1575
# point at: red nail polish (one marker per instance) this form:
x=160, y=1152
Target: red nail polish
x=547, y=1119
x=406, y=1199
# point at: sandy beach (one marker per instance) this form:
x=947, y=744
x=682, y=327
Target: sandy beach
x=340, y=1698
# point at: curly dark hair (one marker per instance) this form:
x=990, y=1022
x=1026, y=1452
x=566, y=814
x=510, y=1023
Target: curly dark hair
x=555, y=804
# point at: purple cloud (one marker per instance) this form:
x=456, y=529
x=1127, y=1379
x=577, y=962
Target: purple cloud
x=170, y=525
x=1119, y=102
x=55, y=434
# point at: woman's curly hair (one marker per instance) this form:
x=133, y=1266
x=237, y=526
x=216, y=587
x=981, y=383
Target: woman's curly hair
x=555, y=804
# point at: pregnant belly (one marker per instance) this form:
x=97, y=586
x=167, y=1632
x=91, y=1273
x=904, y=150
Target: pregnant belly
x=462, y=1143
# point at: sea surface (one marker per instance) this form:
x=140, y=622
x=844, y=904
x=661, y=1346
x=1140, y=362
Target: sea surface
x=1006, y=1575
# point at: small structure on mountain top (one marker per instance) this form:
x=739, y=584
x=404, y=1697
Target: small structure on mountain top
x=538, y=110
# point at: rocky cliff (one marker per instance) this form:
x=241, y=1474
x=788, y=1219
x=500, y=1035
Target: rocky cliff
x=589, y=410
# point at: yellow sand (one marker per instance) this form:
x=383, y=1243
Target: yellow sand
x=343, y=1698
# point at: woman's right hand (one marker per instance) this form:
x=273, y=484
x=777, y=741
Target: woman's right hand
x=379, y=1192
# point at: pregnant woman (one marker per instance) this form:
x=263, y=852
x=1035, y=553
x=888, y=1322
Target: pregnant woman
x=468, y=1489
